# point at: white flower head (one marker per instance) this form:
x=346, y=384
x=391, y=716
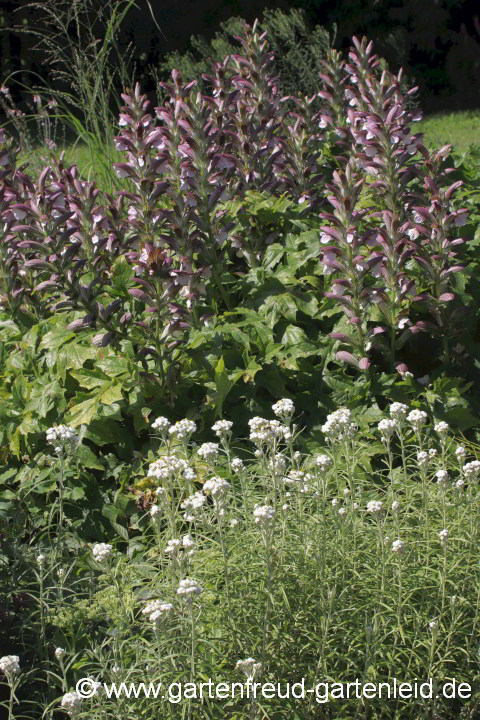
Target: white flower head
x=222, y=428
x=323, y=462
x=193, y=505
x=63, y=438
x=433, y=625
x=339, y=425
x=442, y=477
x=398, y=546
x=71, y=702
x=398, y=411
x=189, y=587
x=237, y=465
x=162, y=424
x=395, y=505
x=59, y=653
x=460, y=452
x=460, y=483
x=471, y=470
x=10, y=666
x=417, y=418
x=264, y=515
x=386, y=428
x=101, y=551
x=375, y=507
x=156, y=512
x=342, y=511
x=183, y=429
x=250, y=667
x=173, y=546
x=443, y=535
x=284, y=408
x=40, y=559
x=208, y=451
x=441, y=428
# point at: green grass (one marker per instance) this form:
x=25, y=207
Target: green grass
x=461, y=129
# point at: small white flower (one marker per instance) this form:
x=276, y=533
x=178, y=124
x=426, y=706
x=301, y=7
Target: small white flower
x=432, y=453
x=355, y=506
x=237, y=465
x=395, y=505
x=443, y=535
x=441, y=428
x=342, y=511
x=101, y=551
x=460, y=452
x=417, y=418
x=10, y=666
x=40, y=559
x=433, y=625
x=387, y=427
x=398, y=546
x=460, y=483
x=156, y=512
x=277, y=463
x=183, y=429
x=173, y=546
x=222, y=428
x=188, y=587
x=161, y=424
x=192, y=505
x=59, y=653
x=472, y=470
x=442, y=477
x=334, y=502
x=398, y=411
x=323, y=462
x=375, y=507
x=208, y=451
x=339, y=425
x=71, y=702
x=250, y=667
x=63, y=438
x=233, y=523
x=284, y=408
x=422, y=458
x=264, y=514
x=346, y=492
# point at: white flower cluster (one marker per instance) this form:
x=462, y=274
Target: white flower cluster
x=156, y=610
x=186, y=543
x=417, y=418
x=284, y=408
x=323, y=462
x=265, y=432
x=443, y=535
x=167, y=466
x=188, y=587
x=424, y=457
x=339, y=425
x=10, y=666
x=263, y=514
x=441, y=428
x=101, y=551
x=375, y=507
x=250, y=667
x=472, y=470
x=395, y=505
x=237, y=465
x=208, y=451
x=398, y=546
x=182, y=429
x=222, y=428
x=386, y=428
x=442, y=477
x=192, y=505
x=62, y=438
x=59, y=653
x=156, y=512
x=398, y=411
x=460, y=452
x=162, y=424
x=71, y=702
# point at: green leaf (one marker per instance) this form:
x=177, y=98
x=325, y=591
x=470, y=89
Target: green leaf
x=85, y=411
x=121, y=276
x=273, y=255
x=89, y=378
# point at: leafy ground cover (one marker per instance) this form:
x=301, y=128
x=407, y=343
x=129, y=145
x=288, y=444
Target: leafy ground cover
x=245, y=260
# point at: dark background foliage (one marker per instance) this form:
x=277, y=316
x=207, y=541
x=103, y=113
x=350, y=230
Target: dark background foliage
x=436, y=41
